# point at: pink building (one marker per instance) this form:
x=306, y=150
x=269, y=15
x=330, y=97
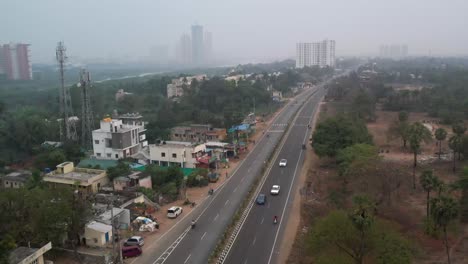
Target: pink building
x=15, y=62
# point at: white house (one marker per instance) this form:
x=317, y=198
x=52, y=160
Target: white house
x=176, y=153
x=97, y=234
x=119, y=138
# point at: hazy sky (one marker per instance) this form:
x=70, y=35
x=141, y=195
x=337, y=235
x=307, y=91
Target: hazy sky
x=241, y=28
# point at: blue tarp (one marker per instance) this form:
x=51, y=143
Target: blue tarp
x=241, y=127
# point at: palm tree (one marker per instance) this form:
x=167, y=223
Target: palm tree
x=444, y=210
x=440, y=134
x=417, y=134
x=429, y=182
x=456, y=144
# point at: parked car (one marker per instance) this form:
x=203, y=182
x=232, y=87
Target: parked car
x=131, y=251
x=283, y=163
x=261, y=199
x=275, y=189
x=174, y=211
x=135, y=241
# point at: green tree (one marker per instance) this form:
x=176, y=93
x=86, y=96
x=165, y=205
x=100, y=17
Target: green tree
x=456, y=144
x=400, y=128
x=355, y=159
x=351, y=237
x=7, y=243
x=440, y=135
x=417, y=134
x=364, y=105
x=462, y=184
x=429, y=182
x=444, y=210
x=338, y=133
x=121, y=169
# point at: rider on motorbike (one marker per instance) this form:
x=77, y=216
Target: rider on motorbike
x=275, y=219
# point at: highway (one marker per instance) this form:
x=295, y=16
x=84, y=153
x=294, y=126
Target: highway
x=184, y=245
x=259, y=239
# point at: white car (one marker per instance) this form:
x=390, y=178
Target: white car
x=174, y=211
x=283, y=162
x=275, y=189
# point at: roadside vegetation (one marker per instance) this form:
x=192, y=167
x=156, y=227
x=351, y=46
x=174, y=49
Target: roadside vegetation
x=387, y=183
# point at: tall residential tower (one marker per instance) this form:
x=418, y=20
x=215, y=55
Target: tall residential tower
x=15, y=62
x=197, y=45
x=315, y=54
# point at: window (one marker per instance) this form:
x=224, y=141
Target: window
x=96, y=141
x=98, y=154
x=174, y=155
x=116, y=156
x=109, y=155
x=163, y=154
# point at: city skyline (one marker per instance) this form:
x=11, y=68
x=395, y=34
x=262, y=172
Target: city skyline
x=148, y=24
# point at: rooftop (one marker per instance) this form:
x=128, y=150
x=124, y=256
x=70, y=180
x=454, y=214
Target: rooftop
x=173, y=144
x=19, y=176
x=79, y=174
x=20, y=253
x=99, y=227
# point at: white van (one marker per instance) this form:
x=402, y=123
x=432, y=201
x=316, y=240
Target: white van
x=174, y=211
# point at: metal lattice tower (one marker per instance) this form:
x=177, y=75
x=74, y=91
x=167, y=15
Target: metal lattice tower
x=66, y=111
x=87, y=119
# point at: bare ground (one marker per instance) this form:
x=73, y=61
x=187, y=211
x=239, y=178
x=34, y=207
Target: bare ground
x=409, y=209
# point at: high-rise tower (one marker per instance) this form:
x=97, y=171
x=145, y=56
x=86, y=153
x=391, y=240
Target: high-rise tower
x=197, y=44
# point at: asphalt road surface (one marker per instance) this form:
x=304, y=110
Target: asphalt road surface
x=258, y=239
x=185, y=245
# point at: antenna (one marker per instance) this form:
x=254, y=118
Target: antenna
x=66, y=110
x=87, y=119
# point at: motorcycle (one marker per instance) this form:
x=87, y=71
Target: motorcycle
x=193, y=224
x=275, y=220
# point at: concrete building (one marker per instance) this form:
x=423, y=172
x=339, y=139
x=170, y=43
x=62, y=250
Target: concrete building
x=394, y=51
x=133, y=181
x=97, y=234
x=119, y=138
x=176, y=87
x=87, y=181
x=208, y=47
x=198, y=133
x=184, y=50
x=15, y=62
x=175, y=153
x=15, y=179
x=197, y=45
x=27, y=255
x=120, y=94
x=320, y=54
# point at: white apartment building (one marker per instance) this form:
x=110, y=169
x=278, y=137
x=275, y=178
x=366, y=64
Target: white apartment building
x=119, y=138
x=176, y=87
x=176, y=153
x=315, y=54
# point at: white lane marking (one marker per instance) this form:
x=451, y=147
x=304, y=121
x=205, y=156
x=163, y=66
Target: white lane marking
x=242, y=179
x=203, y=236
x=235, y=189
x=255, y=239
x=287, y=199
x=216, y=217
x=226, y=202
x=187, y=258
x=263, y=218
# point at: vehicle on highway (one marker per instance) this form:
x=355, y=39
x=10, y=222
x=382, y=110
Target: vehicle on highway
x=174, y=211
x=283, y=163
x=131, y=251
x=261, y=199
x=135, y=241
x=275, y=189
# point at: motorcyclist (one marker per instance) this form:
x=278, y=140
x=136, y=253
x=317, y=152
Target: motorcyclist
x=275, y=219
x=193, y=224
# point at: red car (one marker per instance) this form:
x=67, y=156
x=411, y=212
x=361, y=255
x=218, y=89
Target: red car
x=131, y=251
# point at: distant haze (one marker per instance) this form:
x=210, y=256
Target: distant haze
x=242, y=30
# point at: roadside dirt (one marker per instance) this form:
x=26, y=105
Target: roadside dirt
x=409, y=207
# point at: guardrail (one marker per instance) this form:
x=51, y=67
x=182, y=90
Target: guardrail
x=249, y=201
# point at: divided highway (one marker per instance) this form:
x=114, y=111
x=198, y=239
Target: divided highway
x=184, y=245
x=259, y=238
